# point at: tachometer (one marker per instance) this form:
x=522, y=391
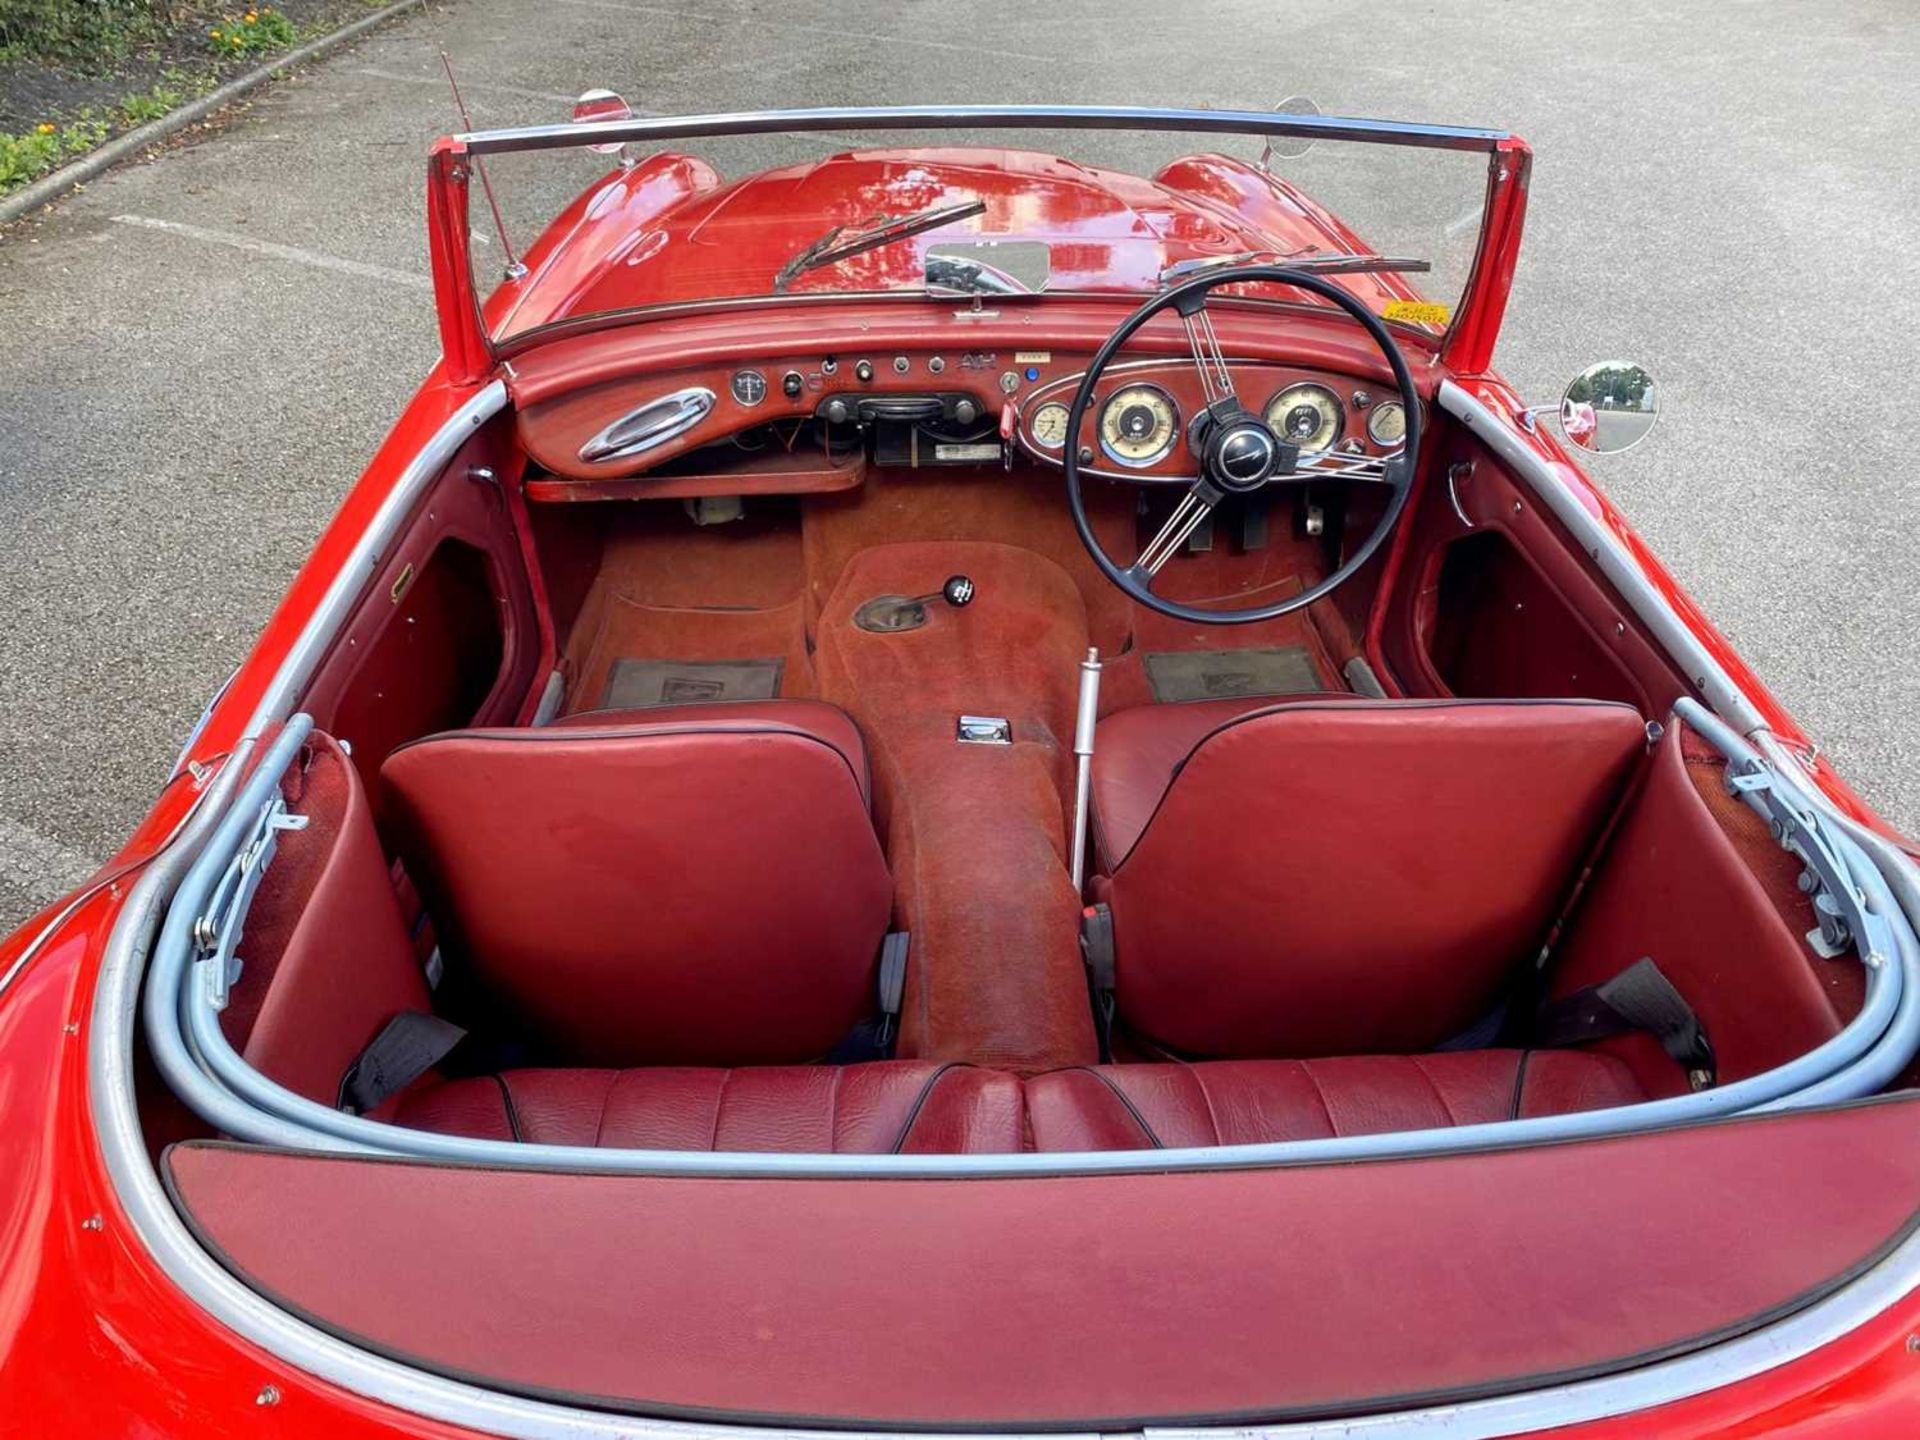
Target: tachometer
x=1387, y=423
x=1137, y=425
x=1306, y=415
x=1048, y=425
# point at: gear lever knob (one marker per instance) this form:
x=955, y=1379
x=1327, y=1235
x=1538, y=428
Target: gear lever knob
x=958, y=591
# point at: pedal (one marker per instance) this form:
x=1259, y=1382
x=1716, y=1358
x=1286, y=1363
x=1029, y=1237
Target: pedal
x=1253, y=523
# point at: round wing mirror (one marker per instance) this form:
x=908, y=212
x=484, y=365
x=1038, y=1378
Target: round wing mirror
x=1288, y=147
x=1609, y=407
x=598, y=105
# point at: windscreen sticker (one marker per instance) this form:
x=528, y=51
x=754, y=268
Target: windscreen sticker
x=1416, y=312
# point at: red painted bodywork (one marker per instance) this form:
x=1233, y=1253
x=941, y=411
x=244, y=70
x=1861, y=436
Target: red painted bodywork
x=94, y=1339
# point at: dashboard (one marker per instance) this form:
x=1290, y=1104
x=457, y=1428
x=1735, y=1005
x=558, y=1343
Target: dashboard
x=919, y=408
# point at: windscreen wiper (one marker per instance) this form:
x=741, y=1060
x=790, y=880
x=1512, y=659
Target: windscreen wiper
x=830, y=249
x=1313, y=264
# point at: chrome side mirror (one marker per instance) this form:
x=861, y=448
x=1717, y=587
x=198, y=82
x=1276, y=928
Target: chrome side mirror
x=1609, y=407
x=1288, y=147
x=600, y=105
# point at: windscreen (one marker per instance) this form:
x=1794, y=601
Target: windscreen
x=578, y=226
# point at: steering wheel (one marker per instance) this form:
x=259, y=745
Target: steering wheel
x=1238, y=451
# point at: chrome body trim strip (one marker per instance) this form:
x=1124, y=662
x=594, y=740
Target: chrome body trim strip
x=1606, y=551
x=640, y=131
x=330, y=616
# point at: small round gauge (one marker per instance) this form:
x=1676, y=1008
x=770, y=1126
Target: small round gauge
x=1137, y=425
x=749, y=387
x=1387, y=423
x=1048, y=427
x=1306, y=415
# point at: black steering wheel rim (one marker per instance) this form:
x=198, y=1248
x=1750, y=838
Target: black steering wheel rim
x=1189, y=298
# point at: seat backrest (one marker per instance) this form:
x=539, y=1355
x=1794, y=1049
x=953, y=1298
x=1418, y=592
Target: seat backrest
x=685, y=888
x=1360, y=878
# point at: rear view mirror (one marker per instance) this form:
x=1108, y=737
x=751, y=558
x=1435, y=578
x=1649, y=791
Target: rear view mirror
x=1288, y=147
x=599, y=105
x=988, y=267
x=1609, y=407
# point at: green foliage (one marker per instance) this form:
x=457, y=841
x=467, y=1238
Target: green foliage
x=83, y=33
x=258, y=31
x=139, y=109
x=25, y=158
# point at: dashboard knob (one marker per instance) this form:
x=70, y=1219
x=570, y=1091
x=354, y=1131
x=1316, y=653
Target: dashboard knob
x=863, y=371
x=966, y=412
x=837, y=411
x=791, y=383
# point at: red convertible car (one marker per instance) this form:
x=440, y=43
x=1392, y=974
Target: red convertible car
x=965, y=771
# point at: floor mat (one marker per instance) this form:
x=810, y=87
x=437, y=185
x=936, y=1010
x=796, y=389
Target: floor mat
x=1212, y=674
x=635, y=684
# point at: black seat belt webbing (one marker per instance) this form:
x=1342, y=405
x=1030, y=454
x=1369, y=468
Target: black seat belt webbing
x=1096, y=948
x=408, y=1045
x=1639, y=998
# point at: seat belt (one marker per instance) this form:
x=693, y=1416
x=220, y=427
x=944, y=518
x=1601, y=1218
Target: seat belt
x=408, y=1045
x=893, y=987
x=1096, y=949
x=1638, y=999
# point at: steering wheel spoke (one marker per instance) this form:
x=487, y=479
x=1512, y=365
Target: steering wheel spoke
x=1239, y=453
x=1216, y=381
x=1187, y=517
x=1332, y=465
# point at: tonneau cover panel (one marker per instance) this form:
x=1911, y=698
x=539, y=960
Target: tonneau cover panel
x=1106, y=1301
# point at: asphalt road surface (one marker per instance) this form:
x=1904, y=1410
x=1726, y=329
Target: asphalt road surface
x=199, y=353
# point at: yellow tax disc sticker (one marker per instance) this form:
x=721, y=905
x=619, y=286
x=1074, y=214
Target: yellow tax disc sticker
x=1416, y=312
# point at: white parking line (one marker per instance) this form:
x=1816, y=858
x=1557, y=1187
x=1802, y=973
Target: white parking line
x=279, y=252
x=39, y=864
x=782, y=26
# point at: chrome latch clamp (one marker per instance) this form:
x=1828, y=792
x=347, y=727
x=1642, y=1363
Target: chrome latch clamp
x=217, y=930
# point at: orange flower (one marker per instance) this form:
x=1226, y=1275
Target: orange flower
x=45, y=127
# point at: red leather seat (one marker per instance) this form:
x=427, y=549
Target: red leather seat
x=1359, y=877
x=887, y=1107
x=1251, y=1102
x=689, y=885
x=1138, y=751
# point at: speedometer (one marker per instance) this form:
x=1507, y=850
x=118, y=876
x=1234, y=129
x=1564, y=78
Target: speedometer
x=1306, y=415
x=1137, y=425
x=1048, y=427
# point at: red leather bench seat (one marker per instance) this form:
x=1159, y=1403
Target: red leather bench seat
x=1254, y=1102
x=906, y=1107
x=890, y=1107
